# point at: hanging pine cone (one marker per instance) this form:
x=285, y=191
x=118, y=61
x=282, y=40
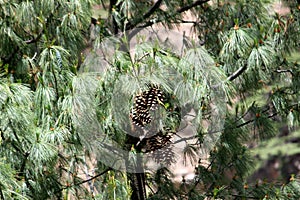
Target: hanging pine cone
x=143, y=103
x=158, y=141
x=154, y=96
x=164, y=156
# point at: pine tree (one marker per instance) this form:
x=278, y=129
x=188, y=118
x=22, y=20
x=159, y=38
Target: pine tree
x=81, y=125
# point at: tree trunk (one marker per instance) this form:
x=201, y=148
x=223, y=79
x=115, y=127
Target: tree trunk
x=137, y=181
x=135, y=173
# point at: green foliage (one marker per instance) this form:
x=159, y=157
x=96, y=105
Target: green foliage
x=58, y=114
x=9, y=187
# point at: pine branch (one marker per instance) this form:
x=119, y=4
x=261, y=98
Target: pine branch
x=92, y=178
x=284, y=71
x=17, y=138
x=34, y=39
x=252, y=120
x=243, y=196
x=238, y=126
x=55, y=84
x=152, y=9
x=2, y=135
x=84, y=181
x=188, y=7
x=131, y=25
x=178, y=11
x=187, y=22
x=48, y=21
x=22, y=168
x=237, y=73
x=185, y=139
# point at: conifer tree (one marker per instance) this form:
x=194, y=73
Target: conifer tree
x=81, y=125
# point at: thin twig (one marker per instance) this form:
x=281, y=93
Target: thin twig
x=92, y=178
x=84, y=181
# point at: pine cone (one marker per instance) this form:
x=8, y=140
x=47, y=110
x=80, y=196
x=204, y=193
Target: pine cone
x=158, y=141
x=143, y=103
x=164, y=156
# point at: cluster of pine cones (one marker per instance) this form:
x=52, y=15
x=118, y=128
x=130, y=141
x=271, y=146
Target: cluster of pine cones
x=159, y=145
